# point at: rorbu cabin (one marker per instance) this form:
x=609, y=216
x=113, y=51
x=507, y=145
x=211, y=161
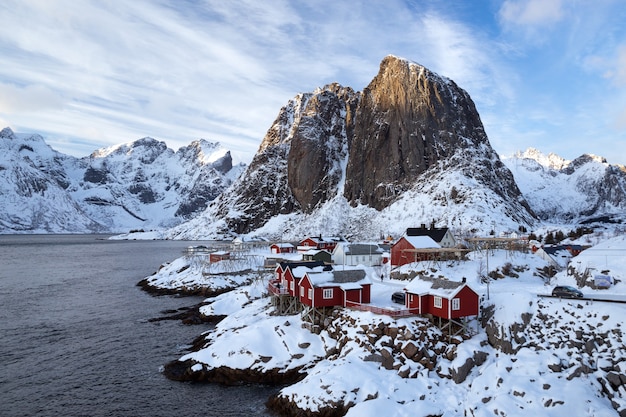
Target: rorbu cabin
x=277, y=248
x=441, y=298
x=334, y=288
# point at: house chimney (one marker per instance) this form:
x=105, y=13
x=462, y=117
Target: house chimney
x=423, y=226
x=464, y=280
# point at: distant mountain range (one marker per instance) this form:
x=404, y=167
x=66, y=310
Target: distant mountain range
x=139, y=185
x=409, y=149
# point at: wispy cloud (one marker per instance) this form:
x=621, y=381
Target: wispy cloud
x=179, y=70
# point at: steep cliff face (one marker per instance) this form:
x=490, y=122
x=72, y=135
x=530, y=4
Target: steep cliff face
x=408, y=120
x=409, y=133
x=299, y=164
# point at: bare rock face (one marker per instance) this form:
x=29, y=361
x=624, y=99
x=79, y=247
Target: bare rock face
x=298, y=164
x=407, y=126
x=408, y=120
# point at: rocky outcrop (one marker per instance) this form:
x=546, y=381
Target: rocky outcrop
x=404, y=130
x=584, y=349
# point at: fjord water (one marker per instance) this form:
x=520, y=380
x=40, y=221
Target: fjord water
x=76, y=340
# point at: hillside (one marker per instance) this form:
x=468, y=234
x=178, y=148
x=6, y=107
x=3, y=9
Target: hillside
x=137, y=185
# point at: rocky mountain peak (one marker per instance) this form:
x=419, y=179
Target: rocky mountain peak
x=409, y=119
x=369, y=149
x=7, y=133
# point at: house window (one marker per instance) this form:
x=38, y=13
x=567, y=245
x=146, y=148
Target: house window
x=328, y=293
x=310, y=293
x=456, y=304
x=302, y=292
x=291, y=285
x=437, y=302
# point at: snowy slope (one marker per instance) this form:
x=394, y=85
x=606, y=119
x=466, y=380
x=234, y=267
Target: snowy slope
x=531, y=356
x=137, y=185
x=569, y=191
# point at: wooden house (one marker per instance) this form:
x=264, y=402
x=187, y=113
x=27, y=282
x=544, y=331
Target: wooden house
x=320, y=292
x=317, y=255
x=334, y=288
x=413, y=249
x=219, y=256
x=277, y=248
x=451, y=301
x=327, y=243
x=367, y=254
x=442, y=235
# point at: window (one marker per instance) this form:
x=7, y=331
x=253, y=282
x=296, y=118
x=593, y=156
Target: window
x=291, y=285
x=302, y=292
x=328, y=293
x=411, y=298
x=310, y=293
x=437, y=302
x=456, y=304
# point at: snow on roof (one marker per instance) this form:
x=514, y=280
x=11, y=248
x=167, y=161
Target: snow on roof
x=299, y=271
x=283, y=245
x=434, y=286
x=422, y=242
x=349, y=279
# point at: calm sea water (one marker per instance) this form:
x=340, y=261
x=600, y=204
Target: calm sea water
x=75, y=339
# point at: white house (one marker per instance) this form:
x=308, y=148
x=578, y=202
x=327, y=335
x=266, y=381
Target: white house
x=367, y=254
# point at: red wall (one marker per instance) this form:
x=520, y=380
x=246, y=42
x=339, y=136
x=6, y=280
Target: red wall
x=469, y=303
x=399, y=257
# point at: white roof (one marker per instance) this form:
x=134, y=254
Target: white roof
x=439, y=287
x=299, y=271
x=422, y=242
x=283, y=245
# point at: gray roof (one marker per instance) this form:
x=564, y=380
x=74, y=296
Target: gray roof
x=351, y=275
x=362, y=249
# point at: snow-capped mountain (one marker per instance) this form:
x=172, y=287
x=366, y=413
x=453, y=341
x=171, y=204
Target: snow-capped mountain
x=562, y=191
x=138, y=185
x=408, y=149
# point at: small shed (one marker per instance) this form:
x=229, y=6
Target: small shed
x=282, y=248
x=317, y=255
x=219, y=256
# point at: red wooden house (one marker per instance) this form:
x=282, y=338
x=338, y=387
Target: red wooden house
x=412, y=249
x=282, y=248
x=218, y=256
x=441, y=298
x=319, y=242
x=334, y=288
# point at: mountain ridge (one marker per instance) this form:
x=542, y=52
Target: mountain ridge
x=135, y=185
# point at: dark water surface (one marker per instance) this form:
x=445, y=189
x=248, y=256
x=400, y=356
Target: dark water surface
x=75, y=338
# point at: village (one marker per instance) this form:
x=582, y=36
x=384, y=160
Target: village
x=344, y=312
x=318, y=274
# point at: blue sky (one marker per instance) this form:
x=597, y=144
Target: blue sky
x=549, y=74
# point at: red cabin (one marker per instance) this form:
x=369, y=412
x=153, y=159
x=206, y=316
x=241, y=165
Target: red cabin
x=282, y=248
x=319, y=242
x=441, y=298
x=219, y=256
x=334, y=288
x=407, y=250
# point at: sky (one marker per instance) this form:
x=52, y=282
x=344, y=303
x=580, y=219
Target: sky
x=87, y=74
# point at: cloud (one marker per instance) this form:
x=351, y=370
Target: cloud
x=30, y=98
x=531, y=12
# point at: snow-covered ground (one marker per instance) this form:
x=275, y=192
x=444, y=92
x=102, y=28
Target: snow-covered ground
x=536, y=356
